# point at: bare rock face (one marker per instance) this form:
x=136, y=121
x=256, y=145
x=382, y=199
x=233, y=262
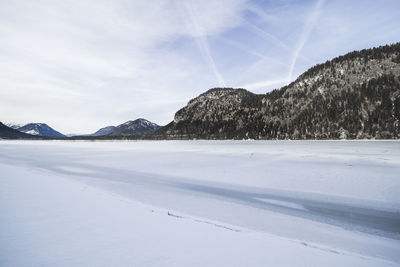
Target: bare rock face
x=350, y=97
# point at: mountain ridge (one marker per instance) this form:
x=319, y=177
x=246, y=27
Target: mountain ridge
x=354, y=96
x=136, y=127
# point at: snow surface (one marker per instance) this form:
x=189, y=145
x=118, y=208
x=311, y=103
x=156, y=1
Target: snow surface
x=34, y=132
x=199, y=203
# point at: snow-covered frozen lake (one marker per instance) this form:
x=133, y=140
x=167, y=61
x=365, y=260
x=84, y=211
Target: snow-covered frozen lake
x=200, y=203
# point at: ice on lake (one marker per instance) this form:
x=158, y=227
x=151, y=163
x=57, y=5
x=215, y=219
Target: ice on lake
x=202, y=203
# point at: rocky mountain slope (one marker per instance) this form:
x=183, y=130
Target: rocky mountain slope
x=137, y=127
x=104, y=131
x=10, y=133
x=352, y=96
x=40, y=129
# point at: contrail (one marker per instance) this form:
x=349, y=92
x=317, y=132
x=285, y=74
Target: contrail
x=262, y=57
x=251, y=52
x=201, y=40
x=272, y=37
x=308, y=27
x=265, y=17
x=269, y=36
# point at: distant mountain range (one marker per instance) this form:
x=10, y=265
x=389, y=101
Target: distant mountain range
x=355, y=96
x=10, y=133
x=135, y=128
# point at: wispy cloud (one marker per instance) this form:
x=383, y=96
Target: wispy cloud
x=201, y=39
x=308, y=27
x=78, y=71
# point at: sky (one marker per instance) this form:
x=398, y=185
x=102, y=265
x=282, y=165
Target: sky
x=82, y=65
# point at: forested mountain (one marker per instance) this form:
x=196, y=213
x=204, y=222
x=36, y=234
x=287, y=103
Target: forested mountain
x=352, y=96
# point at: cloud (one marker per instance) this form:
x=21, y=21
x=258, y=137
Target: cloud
x=308, y=27
x=81, y=65
x=200, y=34
x=88, y=62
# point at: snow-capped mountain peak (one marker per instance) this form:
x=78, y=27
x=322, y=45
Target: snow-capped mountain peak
x=14, y=125
x=132, y=127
